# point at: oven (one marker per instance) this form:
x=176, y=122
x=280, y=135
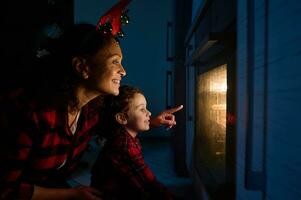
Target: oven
x=214, y=139
x=210, y=79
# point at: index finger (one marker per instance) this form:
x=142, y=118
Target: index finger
x=175, y=109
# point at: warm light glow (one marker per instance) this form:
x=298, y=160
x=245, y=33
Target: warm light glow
x=211, y=118
x=220, y=86
x=218, y=107
x=211, y=110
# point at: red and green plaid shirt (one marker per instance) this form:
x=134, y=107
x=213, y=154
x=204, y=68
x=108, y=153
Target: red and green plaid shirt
x=38, y=148
x=121, y=173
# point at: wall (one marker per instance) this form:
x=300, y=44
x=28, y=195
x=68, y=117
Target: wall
x=284, y=97
x=144, y=46
x=23, y=32
x=269, y=48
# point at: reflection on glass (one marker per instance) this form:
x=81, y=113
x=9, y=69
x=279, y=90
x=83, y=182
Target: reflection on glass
x=211, y=125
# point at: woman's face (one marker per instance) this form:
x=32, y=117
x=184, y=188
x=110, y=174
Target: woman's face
x=106, y=70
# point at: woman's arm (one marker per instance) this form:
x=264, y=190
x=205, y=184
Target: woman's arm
x=80, y=193
x=15, y=149
x=14, y=155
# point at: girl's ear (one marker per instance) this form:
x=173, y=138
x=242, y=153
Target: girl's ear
x=121, y=118
x=82, y=69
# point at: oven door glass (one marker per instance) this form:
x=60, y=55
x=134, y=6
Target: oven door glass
x=210, y=143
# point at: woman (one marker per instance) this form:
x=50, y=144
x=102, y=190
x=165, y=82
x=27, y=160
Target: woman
x=47, y=132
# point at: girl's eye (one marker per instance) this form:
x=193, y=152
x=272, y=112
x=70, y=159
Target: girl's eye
x=115, y=62
x=143, y=110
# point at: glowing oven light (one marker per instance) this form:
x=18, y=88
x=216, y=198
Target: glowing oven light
x=218, y=87
x=211, y=119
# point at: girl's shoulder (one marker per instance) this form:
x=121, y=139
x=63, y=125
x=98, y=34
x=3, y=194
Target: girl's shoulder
x=124, y=140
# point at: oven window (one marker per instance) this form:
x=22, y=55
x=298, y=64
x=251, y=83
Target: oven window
x=210, y=143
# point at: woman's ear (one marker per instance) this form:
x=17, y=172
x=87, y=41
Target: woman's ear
x=121, y=118
x=82, y=69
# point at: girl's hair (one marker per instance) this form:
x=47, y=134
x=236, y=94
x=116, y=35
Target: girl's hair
x=114, y=105
x=58, y=77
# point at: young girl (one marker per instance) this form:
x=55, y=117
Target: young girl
x=120, y=171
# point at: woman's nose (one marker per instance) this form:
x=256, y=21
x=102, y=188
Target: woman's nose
x=149, y=113
x=122, y=71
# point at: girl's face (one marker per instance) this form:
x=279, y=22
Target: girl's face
x=106, y=70
x=137, y=116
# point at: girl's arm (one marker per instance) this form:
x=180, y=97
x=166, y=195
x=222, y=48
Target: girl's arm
x=165, y=118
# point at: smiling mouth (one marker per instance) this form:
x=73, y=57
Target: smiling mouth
x=116, y=81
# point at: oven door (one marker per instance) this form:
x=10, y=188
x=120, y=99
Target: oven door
x=215, y=127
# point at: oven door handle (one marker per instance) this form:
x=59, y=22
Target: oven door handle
x=168, y=88
x=168, y=34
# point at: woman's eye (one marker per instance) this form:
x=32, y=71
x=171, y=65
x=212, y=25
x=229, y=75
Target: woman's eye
x=115, y=62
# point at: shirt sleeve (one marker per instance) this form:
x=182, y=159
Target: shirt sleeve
x=129, y=161
x=14, y=154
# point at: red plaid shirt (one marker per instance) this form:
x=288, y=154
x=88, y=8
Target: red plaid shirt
x=121, y=173
x=40, y=149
